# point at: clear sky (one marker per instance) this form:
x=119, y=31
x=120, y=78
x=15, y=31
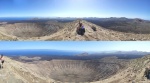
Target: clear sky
x=79, y=46
x=75, y=8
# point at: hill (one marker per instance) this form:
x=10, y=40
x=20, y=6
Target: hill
x=59, y=31
x=137, y=25
x=105, y=70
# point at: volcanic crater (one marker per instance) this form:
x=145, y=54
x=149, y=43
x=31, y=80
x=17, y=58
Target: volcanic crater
x=81, y=71
x=27, y=30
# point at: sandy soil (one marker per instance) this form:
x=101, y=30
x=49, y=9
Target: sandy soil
x=67, y=31
x=45, y=71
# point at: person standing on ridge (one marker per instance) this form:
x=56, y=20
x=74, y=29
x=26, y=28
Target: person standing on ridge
x=80, y=29
x=2, y=61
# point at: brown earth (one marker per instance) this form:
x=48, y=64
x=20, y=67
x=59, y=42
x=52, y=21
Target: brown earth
x=64, y=31
x=106, y=70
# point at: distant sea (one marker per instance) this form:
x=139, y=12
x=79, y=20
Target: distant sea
x=14, y=18
x=38, y=52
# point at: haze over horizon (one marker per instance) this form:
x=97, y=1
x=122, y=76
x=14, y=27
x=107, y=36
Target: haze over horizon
x=75, y=8
x=78, y=46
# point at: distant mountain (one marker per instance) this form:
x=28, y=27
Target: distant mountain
x=137, y=25
x=34, y=55
x=119, y=54
x=58, y=29
x=83, y=54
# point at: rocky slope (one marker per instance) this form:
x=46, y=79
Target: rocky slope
x=17, y=72
x=106, y=70
x=137, y=25
x=64, y=31
x=134, y=73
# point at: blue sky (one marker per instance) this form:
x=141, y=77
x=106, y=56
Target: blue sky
x=79, y=46
x=75, y=8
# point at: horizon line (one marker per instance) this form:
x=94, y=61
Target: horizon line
x=70, y=17
x=76, y=50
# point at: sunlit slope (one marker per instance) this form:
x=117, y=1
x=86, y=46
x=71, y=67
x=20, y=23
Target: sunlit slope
x=106, y=70
x=16, y=72
x=56, y=31
x=135, y=72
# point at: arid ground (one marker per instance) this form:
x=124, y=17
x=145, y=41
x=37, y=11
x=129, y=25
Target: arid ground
x=105, y=70
x=111, y=30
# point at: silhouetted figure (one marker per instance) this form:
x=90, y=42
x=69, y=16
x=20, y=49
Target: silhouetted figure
x=80, y=29
x=2, y=61
x=147, y=73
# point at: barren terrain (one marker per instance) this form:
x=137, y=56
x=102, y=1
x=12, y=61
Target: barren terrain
x=106, y=70
x=56, y=31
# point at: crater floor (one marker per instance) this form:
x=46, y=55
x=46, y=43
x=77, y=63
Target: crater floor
x=81, y=71
x=30, y=29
